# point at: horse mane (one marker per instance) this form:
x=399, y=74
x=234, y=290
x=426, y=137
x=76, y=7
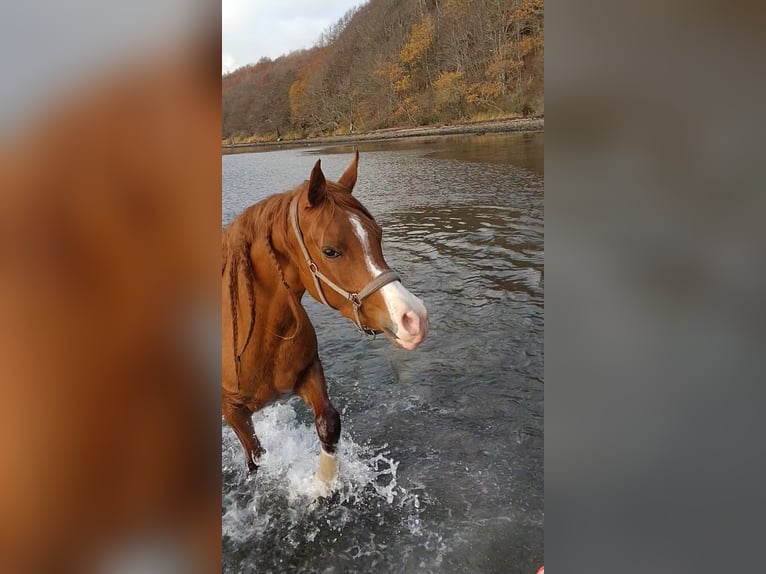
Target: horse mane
x=254, y=224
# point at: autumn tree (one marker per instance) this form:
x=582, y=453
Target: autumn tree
x=408, y=75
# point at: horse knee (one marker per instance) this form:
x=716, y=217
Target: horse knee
x=328, y=429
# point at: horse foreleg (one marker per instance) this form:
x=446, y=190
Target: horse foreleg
x=240, y=419
x=313, y=390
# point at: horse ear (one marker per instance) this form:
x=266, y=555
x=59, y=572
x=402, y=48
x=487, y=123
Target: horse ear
x=348, y=179
x=317, y=185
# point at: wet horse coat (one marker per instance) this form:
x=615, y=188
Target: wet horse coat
x=329, y=245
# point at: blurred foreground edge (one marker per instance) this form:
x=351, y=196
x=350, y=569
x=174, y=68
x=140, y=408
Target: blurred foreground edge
x=109, y=325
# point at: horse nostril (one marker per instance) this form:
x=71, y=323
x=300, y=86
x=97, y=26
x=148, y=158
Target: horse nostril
x=411, y=322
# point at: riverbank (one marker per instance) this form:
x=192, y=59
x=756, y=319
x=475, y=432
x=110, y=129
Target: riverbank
x=478, y=128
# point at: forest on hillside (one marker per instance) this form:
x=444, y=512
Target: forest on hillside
x=390, y=63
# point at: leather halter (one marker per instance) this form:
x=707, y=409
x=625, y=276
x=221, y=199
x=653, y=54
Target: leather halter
x=355, y=299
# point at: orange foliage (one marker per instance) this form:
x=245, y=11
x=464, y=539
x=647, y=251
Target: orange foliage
x=483, y=92
x=297, y=93
x=421, y=37
x=297, y=90
x=449, y=90
x=401, y=82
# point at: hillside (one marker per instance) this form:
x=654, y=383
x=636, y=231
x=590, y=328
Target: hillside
x=393, y=63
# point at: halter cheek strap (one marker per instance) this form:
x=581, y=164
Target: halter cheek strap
x=356, y=299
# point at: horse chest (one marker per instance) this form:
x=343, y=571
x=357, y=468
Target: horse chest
x=280, y=366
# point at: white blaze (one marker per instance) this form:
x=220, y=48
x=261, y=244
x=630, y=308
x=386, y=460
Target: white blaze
x=361, y=234
x=398, y=299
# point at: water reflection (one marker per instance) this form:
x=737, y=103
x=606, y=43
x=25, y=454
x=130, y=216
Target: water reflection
x=521, y=149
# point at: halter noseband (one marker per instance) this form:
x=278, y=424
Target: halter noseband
x=356, y=299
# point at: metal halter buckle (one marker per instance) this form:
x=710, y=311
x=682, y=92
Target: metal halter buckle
x=370, y=334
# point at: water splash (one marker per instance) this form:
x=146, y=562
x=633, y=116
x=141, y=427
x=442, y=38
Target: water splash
x=284, y=505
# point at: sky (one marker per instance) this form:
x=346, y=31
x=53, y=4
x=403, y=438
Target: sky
x=253, y=29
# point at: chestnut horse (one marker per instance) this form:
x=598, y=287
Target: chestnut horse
x=316, y=238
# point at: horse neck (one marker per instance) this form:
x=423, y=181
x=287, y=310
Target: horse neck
x=274, y=251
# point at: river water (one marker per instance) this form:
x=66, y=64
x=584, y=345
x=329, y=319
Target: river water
x=442, y=448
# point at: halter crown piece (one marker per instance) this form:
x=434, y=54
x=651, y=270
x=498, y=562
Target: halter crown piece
x=356, y=299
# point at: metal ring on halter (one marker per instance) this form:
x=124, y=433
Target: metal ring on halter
x=370, y=334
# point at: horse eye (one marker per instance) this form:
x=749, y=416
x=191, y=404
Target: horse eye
x=330, y=253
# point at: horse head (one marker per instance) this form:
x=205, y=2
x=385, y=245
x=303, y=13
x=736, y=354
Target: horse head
x=344, y=266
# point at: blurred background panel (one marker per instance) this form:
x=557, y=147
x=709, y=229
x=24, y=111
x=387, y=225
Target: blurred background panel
x=655, y=276
x=109, y=321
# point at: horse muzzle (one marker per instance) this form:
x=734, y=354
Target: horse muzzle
x=410, y=323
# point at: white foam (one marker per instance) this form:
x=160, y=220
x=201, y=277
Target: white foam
x=285, y=488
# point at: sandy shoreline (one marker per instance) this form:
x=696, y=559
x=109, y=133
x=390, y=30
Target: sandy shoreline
x=515, y=125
